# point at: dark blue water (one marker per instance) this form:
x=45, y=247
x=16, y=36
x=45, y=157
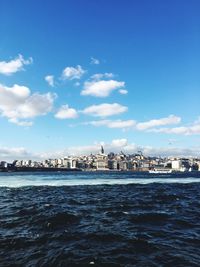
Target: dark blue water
x=151, y=221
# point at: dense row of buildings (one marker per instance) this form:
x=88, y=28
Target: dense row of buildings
x=111, y=161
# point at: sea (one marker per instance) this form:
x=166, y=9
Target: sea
x=99, y=219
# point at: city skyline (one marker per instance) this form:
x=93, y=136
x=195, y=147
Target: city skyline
x=75, y=75
x=102, y=161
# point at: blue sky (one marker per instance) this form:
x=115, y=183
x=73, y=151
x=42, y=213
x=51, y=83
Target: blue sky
x=75, y=73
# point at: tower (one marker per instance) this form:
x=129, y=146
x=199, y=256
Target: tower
x=102, y=150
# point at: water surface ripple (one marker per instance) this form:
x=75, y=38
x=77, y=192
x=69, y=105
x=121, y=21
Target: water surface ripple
x=133, y=224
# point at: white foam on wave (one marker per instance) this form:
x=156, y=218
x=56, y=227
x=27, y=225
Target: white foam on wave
x=31, y=181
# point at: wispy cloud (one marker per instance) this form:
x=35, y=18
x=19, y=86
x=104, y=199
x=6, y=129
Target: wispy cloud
x=121, y=124
x=65, y=112
x=19, y=105
x=100, y=110
x=71, y=73
x=77, y=84
x=102, y=88
x=99, y=76
x=105, y=110
x=50, y=80
x=21, y=123
x=123, y=91
x=182, y=130
x=94, y=61
x=14, y=65
x=12, y=153
x=152, y=126
x=172, y=119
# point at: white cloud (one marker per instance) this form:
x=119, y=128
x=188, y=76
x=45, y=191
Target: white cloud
x=172, y=119
x=50, y=80
x=94, y=61
x=12, y=153
x=193, y=129
x=21, y=123
x=149, y=126
x=123, y=92
x=77, y=84
x=105, y=110
x=18, y=104
x=184, y=130
x=119, y=142
x=113, y=123
x=102, y=88
x=99, y=76
x=71, y=73
x=14, y=65
x=65, y=112
x=171, y=151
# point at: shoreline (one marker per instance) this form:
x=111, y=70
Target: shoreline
x=39, y=169
x=138, y=173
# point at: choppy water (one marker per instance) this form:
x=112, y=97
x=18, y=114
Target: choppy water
x=108, y=219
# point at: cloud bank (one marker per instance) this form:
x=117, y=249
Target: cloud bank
x=115, y=146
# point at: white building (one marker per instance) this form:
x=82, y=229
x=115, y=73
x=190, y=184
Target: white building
x=176, y=165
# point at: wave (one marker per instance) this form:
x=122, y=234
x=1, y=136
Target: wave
x=19, y=181
x=122, y=225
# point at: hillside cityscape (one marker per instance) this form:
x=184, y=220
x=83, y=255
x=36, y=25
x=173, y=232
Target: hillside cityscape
x=106, y=162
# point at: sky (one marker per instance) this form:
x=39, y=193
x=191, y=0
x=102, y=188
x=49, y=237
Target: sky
x=77, y=74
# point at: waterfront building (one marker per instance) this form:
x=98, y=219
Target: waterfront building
x=112, y=161
x=112, y=164
x=176, y=165
x=3, y=164
x=101, y=161
x=130, y=165
x=123, y=165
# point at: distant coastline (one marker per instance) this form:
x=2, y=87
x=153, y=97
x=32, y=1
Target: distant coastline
x=105, y=162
